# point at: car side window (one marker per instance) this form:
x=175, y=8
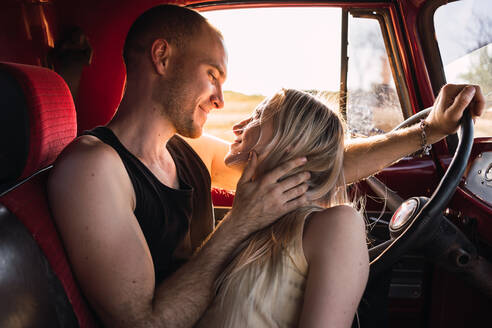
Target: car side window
x=300, y=47
x=373, y=106
x=466, y=52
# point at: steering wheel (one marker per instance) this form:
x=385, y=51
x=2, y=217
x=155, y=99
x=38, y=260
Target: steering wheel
x=419, y=222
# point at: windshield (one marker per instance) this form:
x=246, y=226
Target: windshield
x=464, y=34
x=301, y=48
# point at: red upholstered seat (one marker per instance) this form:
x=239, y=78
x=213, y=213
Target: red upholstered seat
x=51, y=125
x=221, y=197
x=51, y=114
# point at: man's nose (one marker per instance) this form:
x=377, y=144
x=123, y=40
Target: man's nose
x=217, y=102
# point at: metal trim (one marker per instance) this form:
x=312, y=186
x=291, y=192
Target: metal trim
x=477, y=180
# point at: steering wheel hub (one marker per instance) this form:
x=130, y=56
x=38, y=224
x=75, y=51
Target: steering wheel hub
x=403, y=215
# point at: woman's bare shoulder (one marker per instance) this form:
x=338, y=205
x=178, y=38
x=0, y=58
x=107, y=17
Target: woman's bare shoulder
x=340, y=214
x=325, y=227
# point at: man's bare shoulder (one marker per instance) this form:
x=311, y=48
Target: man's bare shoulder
x=89, y=164
x=89, y=150
x=87, y=153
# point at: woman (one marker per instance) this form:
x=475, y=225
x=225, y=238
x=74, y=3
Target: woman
x=310, y=267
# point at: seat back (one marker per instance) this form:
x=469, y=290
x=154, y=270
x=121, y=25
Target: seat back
x=32, y=295
x=37, y=119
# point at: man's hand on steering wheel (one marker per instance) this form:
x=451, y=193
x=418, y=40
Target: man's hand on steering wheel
x=449, y=107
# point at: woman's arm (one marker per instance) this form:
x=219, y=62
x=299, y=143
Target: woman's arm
x=212, y=151
x=335, y=248
x=367, y=156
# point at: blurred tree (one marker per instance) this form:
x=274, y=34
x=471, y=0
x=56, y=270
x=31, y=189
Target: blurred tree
x=479, y=48
x=480, y=69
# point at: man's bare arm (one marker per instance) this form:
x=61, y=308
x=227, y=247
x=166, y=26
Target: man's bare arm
x=367, y=156
x=92, y=201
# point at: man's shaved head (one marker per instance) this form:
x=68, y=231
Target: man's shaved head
x=177, y=25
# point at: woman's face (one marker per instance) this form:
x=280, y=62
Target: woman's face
x=248, y=137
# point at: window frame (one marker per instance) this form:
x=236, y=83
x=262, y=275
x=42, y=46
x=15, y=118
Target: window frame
x=430, y=48
x=432, y=54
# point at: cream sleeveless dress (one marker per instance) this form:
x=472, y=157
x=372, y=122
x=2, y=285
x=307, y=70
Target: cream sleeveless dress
x=280, y=306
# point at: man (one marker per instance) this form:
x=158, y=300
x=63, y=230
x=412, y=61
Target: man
x=137, y=203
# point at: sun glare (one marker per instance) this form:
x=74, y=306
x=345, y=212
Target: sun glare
x=306, y=43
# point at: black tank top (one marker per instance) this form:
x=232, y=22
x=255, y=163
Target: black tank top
x=174, y=221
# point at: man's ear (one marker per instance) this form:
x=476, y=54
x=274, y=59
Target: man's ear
x=160, y=53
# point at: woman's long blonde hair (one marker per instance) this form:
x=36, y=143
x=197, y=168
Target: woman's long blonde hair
x=302, y=126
